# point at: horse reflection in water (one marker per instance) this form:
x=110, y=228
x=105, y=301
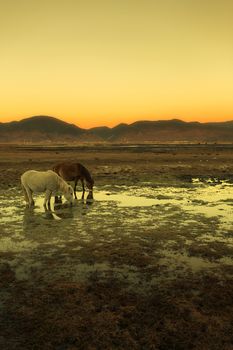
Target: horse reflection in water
x=63, y=211
x=71, y=171
x=90, y=198
x=34, y=220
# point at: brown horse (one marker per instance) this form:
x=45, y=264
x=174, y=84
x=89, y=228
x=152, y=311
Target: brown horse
x=71, y=171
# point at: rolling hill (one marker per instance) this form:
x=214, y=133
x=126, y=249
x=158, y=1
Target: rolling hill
x=42, y=129
x=45, y=129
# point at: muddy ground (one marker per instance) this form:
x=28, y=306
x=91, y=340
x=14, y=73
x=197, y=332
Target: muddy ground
x=146, y=265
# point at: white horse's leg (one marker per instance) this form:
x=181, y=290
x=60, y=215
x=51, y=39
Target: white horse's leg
x=47, y=198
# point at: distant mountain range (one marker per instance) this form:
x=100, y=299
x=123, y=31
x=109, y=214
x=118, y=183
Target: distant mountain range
x=44, y=129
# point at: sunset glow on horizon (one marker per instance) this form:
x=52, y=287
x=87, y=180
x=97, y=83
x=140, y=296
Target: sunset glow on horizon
x=95, y=63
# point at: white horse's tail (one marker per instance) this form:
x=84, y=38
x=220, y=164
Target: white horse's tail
x=25, y=193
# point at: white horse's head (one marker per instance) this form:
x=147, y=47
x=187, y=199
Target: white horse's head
x=69, y=194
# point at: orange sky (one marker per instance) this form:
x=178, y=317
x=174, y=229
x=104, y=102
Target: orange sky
x=105, y=62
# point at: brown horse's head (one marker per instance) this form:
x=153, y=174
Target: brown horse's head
x=90, y=184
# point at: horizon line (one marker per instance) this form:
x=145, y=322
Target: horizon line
x=111, y=127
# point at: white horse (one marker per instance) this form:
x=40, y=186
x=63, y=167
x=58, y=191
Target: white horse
x=44, y=181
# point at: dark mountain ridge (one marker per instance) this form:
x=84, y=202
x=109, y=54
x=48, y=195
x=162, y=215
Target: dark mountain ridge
x=50, y=129
x=42, y=123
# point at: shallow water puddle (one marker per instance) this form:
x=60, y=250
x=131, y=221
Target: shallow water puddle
x=158, y=229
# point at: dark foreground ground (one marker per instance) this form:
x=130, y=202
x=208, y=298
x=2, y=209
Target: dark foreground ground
x=192, y=309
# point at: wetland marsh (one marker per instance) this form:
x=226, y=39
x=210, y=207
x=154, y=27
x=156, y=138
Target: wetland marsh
x=146, y=264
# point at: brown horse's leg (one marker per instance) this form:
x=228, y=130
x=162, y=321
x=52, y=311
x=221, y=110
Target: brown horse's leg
x=75, y=185
x=83, y=188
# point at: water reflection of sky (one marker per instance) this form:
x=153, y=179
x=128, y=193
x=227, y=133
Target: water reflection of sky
x=191, y=202
x=199, y=199
x=203, y=199
x=197, y=212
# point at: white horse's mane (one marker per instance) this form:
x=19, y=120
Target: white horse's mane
x=62, y=184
